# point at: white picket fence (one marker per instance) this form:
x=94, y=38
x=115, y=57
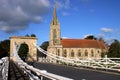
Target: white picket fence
x=111, y=64
x=4, y=66
x=34, y=73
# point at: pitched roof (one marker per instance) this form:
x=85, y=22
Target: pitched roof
x=82, y=43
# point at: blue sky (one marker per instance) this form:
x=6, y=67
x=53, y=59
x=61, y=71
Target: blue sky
x=77, y=18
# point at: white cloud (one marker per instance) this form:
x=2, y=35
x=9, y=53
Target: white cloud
x=59, y=5
x=109, y=40
x=16, y=15
x=37, y=19
x=106, y=30
x=67, y=4
x=63, y=4
x=65, y=14
x=64, y=37
x=110, y=34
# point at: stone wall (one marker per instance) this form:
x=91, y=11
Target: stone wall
x=30, y=41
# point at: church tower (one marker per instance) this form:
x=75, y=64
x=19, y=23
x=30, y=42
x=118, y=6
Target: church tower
x=55, y=46
x=54, y=30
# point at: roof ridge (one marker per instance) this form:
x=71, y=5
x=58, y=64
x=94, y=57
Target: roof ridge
x=81, y=43
x=79, y=39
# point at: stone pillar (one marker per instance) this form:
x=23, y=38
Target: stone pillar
x=30, y=41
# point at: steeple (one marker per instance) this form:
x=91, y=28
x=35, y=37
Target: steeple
x=55, y=36
x=54, y=19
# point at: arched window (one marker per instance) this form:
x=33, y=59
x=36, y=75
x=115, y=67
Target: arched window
x=54, y=36
x=79, y=53
x=92, y=53
x=54, y=33
x=72, y=53
x=65, y=53
x=86, y=53
x=58, y=52
x=98, y=51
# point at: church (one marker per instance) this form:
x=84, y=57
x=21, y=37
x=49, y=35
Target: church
x=72, y=48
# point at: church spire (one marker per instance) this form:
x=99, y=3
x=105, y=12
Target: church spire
x=55, y=37
x=54, y=20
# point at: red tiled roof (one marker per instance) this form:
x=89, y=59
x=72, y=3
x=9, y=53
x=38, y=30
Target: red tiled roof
x=82, y=43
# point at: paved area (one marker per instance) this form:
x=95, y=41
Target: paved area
x=1, y=75
x=16, y=73
x=75, y=73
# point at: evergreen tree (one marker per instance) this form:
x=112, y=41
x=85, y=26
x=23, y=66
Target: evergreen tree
x=27, y=35
x=33, y=35
x=91, y=37
x=44, y=46
x=114, y=50
x=4, y=48
x=23, y=51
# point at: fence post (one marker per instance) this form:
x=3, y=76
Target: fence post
x=106, y=61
